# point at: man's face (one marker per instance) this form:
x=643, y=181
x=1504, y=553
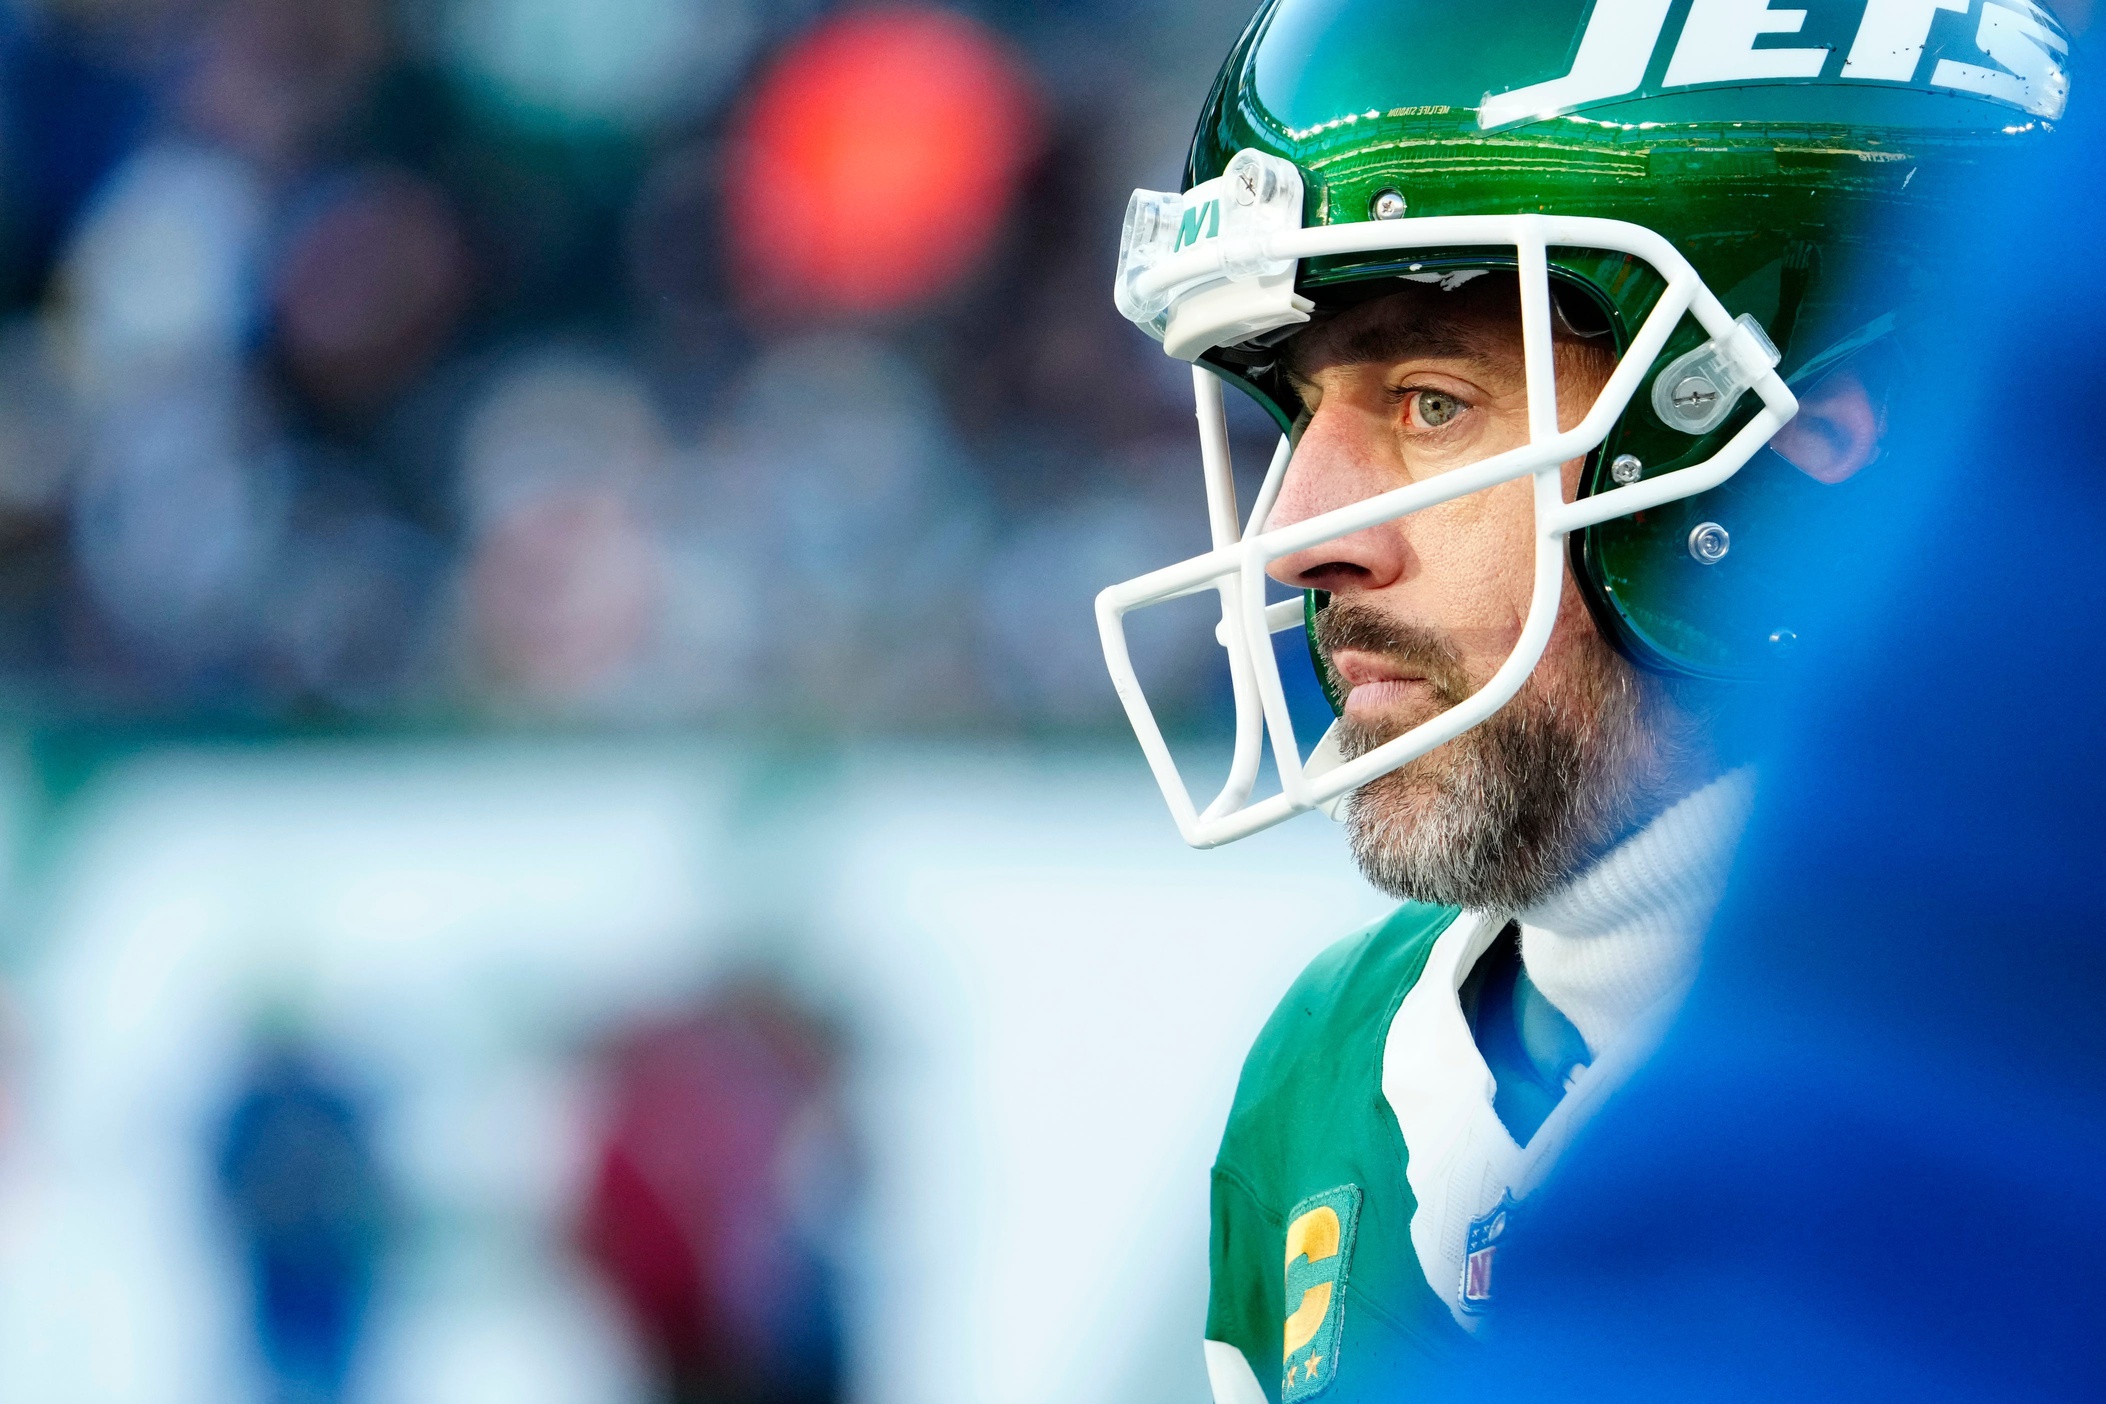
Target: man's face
x=1426, y=608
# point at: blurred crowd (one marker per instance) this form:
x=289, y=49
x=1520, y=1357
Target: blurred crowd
x=624, y=362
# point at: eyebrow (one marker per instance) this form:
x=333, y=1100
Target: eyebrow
x=1387, y=339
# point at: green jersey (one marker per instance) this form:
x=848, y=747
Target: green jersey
x=1365, y=1178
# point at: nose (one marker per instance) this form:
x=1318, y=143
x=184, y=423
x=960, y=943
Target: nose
x=1336, y=464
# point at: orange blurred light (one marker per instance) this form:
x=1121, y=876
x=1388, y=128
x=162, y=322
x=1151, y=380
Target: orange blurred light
x=876, y=162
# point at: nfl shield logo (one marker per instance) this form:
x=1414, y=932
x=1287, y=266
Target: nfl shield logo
x=1479, y=1251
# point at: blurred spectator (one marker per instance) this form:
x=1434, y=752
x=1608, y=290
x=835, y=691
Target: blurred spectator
x=176, y=517
x=564, y=579
x=275, y=80
x=837, y=489
x=1049, y=671
x=160, y=280
x=306, y=1202
x=717, y=1203
x=347, y=620
x=369, y=289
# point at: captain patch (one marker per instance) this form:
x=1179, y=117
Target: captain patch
x=1319, y=1255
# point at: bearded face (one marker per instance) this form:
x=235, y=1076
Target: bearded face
x=1425, y=608
x=1502, y=815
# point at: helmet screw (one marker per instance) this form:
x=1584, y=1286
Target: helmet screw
x=1251, y=181
x=1695, y=394
x=1626, y=468
x=1709, y=542
x=1387, y=204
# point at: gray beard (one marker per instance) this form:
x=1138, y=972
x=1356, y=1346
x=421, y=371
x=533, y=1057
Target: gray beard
x=1511, y=810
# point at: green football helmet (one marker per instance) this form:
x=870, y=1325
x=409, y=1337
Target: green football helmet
x=1736, y=195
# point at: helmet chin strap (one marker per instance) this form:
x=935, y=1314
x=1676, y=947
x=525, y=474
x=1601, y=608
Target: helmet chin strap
x=1326, y=756
x=1735, y=360
x=1329, y=752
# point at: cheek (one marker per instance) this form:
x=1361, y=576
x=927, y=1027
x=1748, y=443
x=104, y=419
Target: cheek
x=1478, y=556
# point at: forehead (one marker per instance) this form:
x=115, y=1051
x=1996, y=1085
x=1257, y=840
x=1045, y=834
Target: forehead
x=1478, y=320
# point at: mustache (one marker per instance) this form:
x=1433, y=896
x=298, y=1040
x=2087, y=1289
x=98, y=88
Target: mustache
x=1361, y=628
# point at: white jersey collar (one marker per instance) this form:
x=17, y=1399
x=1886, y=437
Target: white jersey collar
x=1624, y=936
x=1461, y=1163
x=1620, y=944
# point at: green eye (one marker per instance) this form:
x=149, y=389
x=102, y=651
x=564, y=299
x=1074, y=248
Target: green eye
x=1436, y=409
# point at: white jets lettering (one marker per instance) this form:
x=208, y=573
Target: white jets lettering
x=2030, y=53
x=1889, y=41
x=1610, y=62
x=1718, y=44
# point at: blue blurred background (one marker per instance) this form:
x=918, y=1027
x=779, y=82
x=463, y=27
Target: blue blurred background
x=563, y=836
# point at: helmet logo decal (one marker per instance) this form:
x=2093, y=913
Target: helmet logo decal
x=1202, y=221
x=2020, y=45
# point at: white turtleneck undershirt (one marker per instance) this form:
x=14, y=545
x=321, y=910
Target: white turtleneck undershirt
x=1623, y=937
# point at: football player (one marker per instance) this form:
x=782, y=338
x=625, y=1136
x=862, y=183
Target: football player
x=1571, y=316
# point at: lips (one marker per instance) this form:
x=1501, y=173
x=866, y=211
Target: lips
x=1377, y=684
x=1371, y=699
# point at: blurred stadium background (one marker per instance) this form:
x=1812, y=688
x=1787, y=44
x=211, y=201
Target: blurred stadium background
x=563, y=837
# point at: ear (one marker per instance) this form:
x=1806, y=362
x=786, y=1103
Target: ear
x=1837, y=430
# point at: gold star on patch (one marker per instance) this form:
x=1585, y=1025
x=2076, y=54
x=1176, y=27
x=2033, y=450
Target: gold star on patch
x=1310, y=1366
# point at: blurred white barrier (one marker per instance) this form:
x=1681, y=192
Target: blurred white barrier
x=1050, y=996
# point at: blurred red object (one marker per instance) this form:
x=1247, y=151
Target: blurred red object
x=876, y=162
x=715, y=1205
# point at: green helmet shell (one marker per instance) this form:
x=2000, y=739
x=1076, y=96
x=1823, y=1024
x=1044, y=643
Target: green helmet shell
x=1796, y=167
